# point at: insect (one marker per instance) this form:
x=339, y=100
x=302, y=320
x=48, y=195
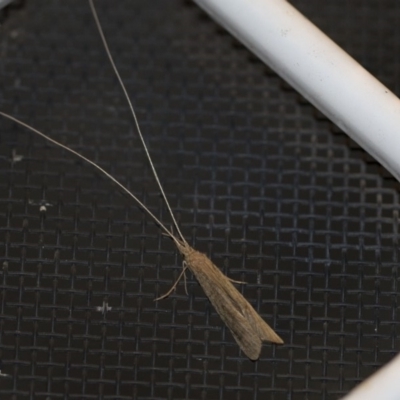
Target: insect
x=245, y=324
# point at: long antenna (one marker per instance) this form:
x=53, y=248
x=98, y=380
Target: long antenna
x=121, y=186
x=103, y=39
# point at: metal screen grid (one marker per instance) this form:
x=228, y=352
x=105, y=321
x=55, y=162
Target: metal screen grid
x=270, y=190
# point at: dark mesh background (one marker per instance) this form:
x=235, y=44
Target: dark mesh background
x=260, y=181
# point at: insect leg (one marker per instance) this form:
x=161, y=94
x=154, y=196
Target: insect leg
x=185, y=267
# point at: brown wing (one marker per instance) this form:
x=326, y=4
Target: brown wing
x=245, y=333
x=246, y=337
x=265, y=332
x=247, y=327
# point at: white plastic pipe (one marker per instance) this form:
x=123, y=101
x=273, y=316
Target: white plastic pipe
x=4, y=3
x=383, y=385
x=334, y=83
x=319, y=69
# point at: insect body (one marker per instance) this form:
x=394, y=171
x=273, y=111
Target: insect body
x=247, y=327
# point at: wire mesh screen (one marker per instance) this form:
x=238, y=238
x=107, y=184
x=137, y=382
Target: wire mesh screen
x=259, y=181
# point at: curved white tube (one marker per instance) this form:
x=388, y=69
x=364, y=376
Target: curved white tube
x=383, y=385
x=319, y=69
x=4, y=3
